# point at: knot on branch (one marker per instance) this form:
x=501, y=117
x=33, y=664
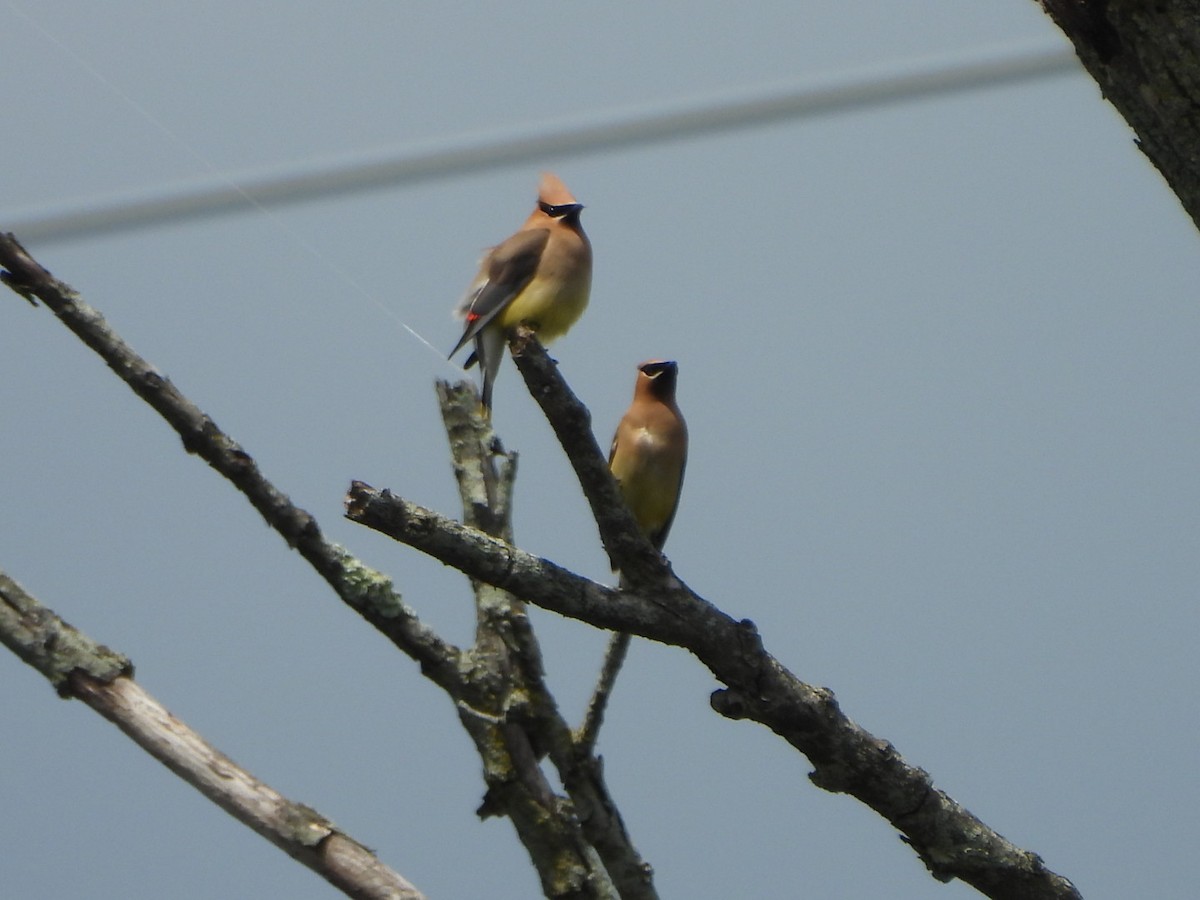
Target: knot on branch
x=18, y=286
x=22, y=273
x=729, y=703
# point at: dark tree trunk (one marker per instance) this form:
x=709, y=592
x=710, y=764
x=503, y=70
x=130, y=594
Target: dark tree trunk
x=1145, y=55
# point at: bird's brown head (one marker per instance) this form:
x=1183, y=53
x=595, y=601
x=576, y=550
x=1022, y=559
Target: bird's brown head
x=658, y=376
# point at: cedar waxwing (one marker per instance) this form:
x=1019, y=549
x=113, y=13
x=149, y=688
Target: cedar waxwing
x=540, y=276
x=649, y=450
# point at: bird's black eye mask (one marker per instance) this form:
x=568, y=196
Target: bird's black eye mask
x=559, y=211
x=655, y=369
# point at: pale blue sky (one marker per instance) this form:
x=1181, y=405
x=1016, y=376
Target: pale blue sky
x=938, y=361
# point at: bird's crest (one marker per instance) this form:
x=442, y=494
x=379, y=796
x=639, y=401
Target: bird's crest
x=553, y=192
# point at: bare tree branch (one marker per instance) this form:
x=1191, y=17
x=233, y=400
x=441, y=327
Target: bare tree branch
x=79, y=667
x=951, y=841
x=501, y=685
x=368, y=592
x=512, y=677
x=577, y=846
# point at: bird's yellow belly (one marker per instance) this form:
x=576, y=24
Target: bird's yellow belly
x=652, y=505
x=551, y=311
x=650, y=488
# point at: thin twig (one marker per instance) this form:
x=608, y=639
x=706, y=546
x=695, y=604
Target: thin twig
x=614, y=658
